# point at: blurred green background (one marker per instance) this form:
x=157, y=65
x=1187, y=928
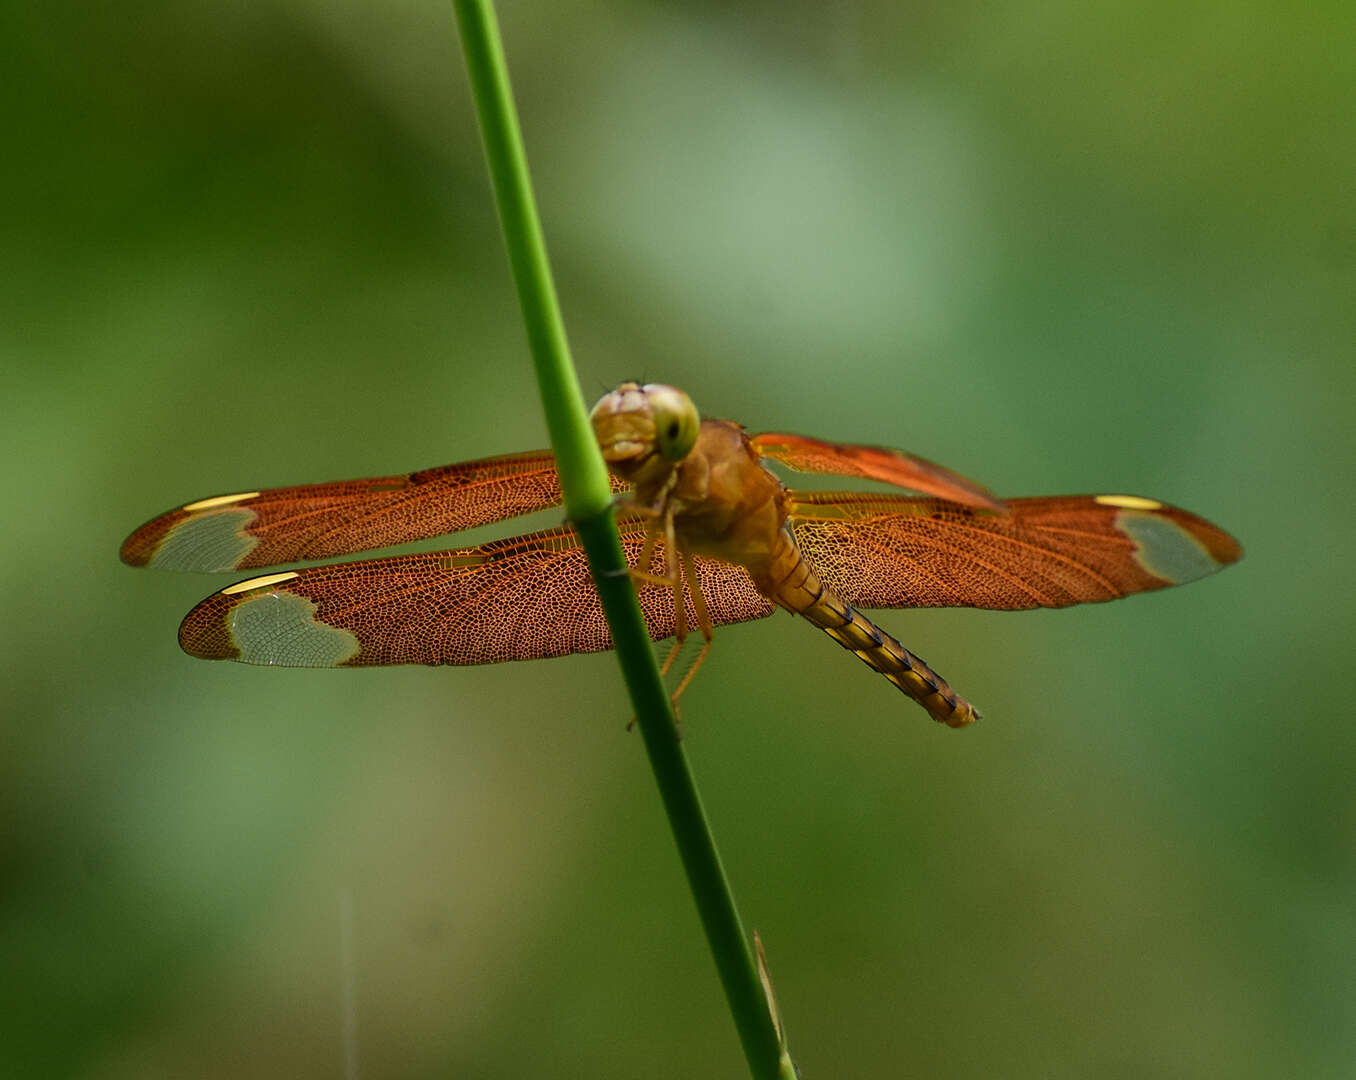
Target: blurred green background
x=1057, y=247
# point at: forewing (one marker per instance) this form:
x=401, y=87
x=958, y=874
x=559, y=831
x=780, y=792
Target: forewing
x=319, y=521
x=873, y=463
x=897, y=551
x=518, y=599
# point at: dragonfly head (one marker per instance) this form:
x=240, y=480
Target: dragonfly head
x=644, y=429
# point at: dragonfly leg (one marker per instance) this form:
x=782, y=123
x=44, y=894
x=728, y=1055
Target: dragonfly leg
x=640, y=573
x=704, y=624
x=673, y=579
x=669, y=658
x=662, y=524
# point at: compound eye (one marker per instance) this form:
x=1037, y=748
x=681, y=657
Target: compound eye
x=676, y=422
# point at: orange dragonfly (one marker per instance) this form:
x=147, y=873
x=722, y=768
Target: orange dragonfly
x=711, y=536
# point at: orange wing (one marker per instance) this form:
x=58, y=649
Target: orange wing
x=897, y=551
x=804, y=454
x=315, y=521
x=522, y=598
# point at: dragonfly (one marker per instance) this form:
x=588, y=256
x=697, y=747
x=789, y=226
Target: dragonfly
x=712, y=536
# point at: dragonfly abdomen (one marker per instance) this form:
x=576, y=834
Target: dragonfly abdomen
x=802, y=591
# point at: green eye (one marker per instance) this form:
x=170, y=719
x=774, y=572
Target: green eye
x=676, y=422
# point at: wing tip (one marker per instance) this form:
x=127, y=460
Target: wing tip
x=204, y=633
x=262, y=621
x=1171, y=543
x=139, y=549
x=210, y=540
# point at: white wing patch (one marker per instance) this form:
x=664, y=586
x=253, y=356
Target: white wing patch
x=210, y=541
x=281, y=628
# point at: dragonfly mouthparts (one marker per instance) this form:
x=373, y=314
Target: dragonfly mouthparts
x=616, y=451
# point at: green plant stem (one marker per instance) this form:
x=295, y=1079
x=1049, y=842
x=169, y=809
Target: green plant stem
x=588, y=501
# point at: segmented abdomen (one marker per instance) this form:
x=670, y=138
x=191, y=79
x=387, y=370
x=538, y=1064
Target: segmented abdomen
x=795, y=586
